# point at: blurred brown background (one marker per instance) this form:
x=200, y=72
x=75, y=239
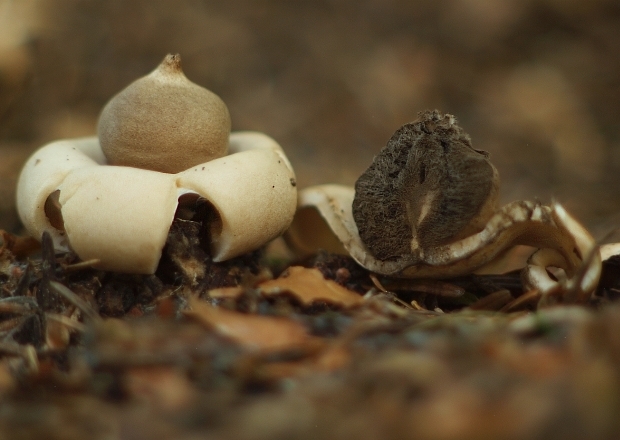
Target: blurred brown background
x=534, y=82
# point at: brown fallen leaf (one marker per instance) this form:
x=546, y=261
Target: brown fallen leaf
x=321, y=357
x=252, y=331
x=57, y=334
x=165, y=387
x=308, y=286
x=333, y=358
x=19, y=246
x=7, y=381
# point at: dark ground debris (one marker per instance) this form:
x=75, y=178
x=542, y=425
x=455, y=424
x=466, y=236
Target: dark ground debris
x=202, y=349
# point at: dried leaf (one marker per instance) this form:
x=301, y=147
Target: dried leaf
x=252, y=331
x=165, y=387
x=7, y=381
x=19, y=246
x=308, y=286
x=333, y=358
x=57, y=335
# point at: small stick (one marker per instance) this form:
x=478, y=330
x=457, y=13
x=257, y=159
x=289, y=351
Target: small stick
x=67, y=322
x=530, y=297
x=377, y=283
x=88, y=264
x=78, y=302
x=432, y=287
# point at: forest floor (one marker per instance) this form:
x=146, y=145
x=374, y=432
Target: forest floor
x=259, y=348
x=266, y=348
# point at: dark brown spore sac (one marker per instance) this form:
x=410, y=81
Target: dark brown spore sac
x=429, y=161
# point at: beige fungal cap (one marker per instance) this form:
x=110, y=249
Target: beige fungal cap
x=121, y=215
x=164, y=122
x=163, y=141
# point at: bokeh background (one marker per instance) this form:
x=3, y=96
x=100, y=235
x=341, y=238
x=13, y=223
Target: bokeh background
x=534, y=82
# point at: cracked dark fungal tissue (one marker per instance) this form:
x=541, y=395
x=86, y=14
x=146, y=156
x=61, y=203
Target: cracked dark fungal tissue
x=428, y=186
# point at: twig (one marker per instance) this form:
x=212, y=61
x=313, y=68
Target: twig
x=78, y=302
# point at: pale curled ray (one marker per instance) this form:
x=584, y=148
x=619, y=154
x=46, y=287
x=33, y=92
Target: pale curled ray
x=582, y=266
x=121, y=215
x=521, y=222
x=609, y=250
x=334, y=204
x=43, y=173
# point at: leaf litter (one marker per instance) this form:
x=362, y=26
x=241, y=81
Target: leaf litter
x=325, y=349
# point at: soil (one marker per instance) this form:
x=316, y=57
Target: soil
x=203, y=349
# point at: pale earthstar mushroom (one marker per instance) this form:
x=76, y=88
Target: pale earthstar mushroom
x=120, y=215
x=407, y=217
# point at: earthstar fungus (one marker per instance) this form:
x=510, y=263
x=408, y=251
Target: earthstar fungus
x=427, y=208
x=120, y=215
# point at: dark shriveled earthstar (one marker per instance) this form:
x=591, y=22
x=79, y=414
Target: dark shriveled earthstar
x=427, y=208
x=428, y=186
